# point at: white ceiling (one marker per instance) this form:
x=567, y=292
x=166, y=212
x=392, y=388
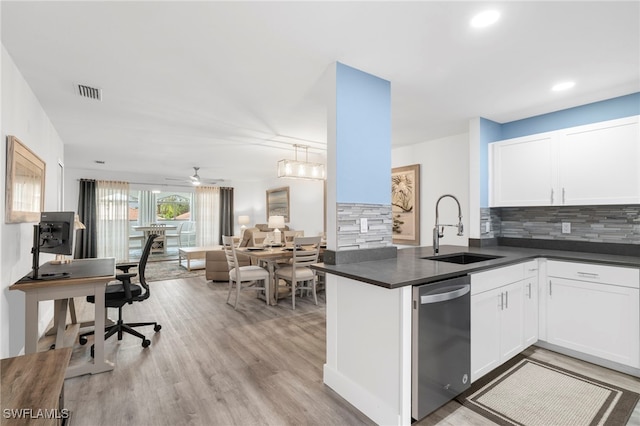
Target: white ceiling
x=230, y=86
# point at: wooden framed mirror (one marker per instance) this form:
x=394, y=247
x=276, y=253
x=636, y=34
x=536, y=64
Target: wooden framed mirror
x=24, y=188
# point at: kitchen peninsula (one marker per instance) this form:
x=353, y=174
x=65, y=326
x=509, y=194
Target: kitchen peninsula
x=369, y=315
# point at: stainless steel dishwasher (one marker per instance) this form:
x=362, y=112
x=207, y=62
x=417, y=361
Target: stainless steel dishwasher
x=441, y=352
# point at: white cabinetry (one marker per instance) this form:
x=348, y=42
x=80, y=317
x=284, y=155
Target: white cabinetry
x=530, y=303
x=522, y=171
x=593, y=164
x=594, y=309
x=486, y=314
x=600, y=164
x=497, y=317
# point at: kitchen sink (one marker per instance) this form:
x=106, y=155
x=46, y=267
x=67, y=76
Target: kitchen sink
x=462, y=258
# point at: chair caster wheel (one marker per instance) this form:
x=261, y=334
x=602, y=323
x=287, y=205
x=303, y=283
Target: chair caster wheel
x=157, y=327
x=146, y=343
x=52, y=347
x=82, y=340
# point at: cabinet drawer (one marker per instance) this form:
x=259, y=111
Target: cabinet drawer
x=494, y=278
x=626, y=277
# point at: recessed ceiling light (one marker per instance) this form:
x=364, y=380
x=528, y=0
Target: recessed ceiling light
x=565, y=85
x=155, y=191
x=484, y=19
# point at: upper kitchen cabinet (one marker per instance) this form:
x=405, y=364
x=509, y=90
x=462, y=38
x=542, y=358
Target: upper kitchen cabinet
x=593, y=164
x=600, y=163
x=522, y=171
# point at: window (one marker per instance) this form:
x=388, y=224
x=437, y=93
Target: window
x=134, y=207
x=175, y=206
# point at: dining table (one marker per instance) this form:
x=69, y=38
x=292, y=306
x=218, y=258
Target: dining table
x=269, y=257
x=148, y=229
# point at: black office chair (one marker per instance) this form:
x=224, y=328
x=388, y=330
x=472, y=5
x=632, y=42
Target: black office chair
x=118, y=295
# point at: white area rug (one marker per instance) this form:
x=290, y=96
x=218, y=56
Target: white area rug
x=533, y=393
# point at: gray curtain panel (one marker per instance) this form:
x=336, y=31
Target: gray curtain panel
x=226, y=212
x=86, y=246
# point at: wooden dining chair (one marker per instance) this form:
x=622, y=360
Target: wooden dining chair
x=244, y=277
x=298, y=275
x=258, y=238
x=187, y=234
x=290, y=235
x=160, y=230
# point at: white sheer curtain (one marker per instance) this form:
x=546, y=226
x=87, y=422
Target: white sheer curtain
x=207, y=216
x=147, y=208
x=112, y=219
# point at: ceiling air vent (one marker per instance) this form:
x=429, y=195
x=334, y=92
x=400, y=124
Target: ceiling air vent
x=89, y=92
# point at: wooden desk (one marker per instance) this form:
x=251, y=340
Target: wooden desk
x=32, y=388
x=88, y=277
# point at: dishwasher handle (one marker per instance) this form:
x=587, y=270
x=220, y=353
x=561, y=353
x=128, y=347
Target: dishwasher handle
x=445, y=293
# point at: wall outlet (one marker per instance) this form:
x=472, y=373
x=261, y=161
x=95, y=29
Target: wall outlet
x=364, y=226
x=566, y=227
x=487, y=227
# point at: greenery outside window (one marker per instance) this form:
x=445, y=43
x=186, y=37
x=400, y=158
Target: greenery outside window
x=173, y=207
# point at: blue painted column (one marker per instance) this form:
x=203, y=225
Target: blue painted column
x=359, y=163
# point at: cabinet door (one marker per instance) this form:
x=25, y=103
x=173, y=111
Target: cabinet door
x=530, y=288
x=600, y=164
x=511, y=321
x=522, y=172
x=485, y=332
x=595, y=318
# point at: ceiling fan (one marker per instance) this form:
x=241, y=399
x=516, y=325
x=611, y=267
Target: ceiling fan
x=196, y=179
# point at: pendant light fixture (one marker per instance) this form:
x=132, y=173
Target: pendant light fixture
x=298, y=169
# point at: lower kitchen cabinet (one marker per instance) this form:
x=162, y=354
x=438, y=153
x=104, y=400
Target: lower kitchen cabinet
x=504, y=315
x=497, y=327
x=486, y=316
x=511, y=321
x=497, y=318
x=594, y=309
x=530, y=303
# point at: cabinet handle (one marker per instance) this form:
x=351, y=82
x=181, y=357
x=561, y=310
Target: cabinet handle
x=550, y=291
x=588, y=274
x=562, y=195
x=506, y=300
x=551, y=195
x=529, y=290
x=501, y=301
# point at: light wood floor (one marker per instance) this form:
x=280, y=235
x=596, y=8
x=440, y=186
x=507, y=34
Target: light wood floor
x=212, y=365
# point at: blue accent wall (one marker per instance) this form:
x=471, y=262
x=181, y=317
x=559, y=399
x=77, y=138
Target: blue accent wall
x=490, y=131
x=610, y=109
x=363, y=137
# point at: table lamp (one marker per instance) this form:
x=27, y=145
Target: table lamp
x=276, y=222
x=243, y=220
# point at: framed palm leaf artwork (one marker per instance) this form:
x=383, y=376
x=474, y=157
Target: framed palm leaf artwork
x=405, y=204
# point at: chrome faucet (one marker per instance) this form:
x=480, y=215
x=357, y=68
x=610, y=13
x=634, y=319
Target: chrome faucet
x=439, y=234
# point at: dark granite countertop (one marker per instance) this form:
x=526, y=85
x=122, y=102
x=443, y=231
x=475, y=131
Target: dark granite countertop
x=408, y=268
